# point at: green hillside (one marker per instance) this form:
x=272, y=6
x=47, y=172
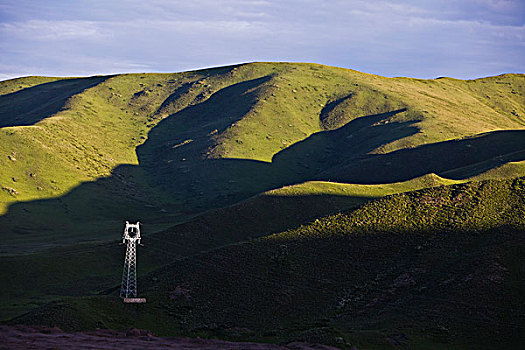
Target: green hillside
x=212, y=158
x=435, y=268
x=91, y=268
x=81, y=154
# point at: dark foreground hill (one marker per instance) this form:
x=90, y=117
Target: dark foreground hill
x=435, y=268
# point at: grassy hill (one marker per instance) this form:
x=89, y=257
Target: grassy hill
x=210, y=158
x=435, y=268
x=165, y=147
x=91, y=268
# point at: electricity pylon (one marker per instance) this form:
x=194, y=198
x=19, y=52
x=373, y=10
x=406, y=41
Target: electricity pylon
x=131, y=238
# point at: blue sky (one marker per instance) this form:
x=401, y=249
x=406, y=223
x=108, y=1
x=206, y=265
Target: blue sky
x=416, y=38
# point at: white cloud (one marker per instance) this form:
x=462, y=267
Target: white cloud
x=417, y=38
x=53, y=30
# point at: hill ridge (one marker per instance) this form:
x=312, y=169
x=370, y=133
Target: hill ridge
x=173, y=129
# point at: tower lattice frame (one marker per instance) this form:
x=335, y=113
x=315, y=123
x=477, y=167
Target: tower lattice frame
x=131, y=238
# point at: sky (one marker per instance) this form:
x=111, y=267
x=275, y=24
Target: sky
x=463, y=39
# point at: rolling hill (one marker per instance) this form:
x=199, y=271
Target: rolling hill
x=213, y=161
x=436, y=268
x=165, y=147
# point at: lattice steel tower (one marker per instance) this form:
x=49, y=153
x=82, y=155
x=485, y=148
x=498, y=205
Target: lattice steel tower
x=131, y=238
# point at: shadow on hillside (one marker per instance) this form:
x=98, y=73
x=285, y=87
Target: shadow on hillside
x=243, y=221
x=175, y=174
x=455, y=159
x=176, y=155
x=394, y=281
x=30, y=105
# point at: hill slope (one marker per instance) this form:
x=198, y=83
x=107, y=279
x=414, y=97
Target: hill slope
x=225, y=154
x=435, y=268
x=162, y=147
x=92, y=268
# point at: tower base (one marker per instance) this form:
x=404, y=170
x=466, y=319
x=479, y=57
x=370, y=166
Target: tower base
x=134, y=300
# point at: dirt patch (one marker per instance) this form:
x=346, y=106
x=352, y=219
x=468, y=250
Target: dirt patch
x=33, y=337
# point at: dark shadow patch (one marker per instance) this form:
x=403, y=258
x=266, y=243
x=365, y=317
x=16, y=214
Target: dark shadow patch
x=330, y=116
x=31, y=105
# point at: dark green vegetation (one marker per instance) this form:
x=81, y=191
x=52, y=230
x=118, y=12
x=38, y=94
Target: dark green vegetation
x=231, y=155
x=431, y=268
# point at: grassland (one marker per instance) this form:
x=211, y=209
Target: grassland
x=95, y=267
x=433, y=268
x=211, y=158
x=165, y=147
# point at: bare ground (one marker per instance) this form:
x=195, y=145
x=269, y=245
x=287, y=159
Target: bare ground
x=36, y=337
